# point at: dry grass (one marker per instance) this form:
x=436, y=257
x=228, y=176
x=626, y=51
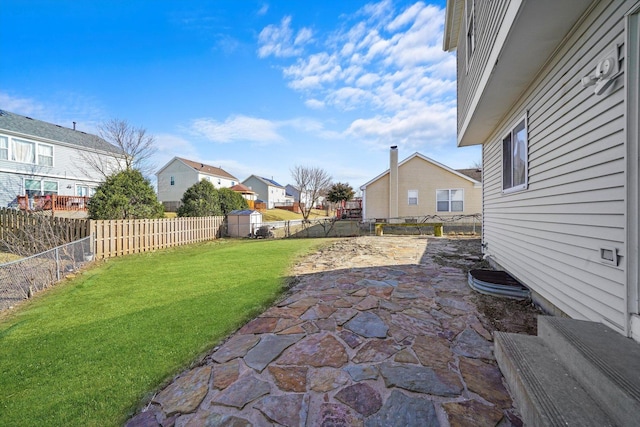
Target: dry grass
x=8, y=257
x=283, y=215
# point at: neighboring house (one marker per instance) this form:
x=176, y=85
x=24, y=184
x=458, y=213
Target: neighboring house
x=551, y=91
x=295, y=194
x=419, y=186
x=269, y=191
x=179, y=174
x=249, y=195
x=44, y=159
x=246, y=192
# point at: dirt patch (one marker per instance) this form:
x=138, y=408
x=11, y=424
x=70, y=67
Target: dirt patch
x=499, y=314
x=464, y=253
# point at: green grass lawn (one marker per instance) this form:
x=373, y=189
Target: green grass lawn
x=89, y=351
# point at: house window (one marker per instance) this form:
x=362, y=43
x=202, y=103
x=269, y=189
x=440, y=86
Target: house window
x=471, y=28
x=84, y=191
x=514, y=158
x=26, y=152
x=4, y=148
x=219, y=181
x=413, y=197
x=23, y=151
x=45, y=155
x=450, y=200
x=172, y=180
x=49, y=188
x=36, y=187
x=32, y=187
x=233, y=183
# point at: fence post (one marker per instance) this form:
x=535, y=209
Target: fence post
x=57, y=264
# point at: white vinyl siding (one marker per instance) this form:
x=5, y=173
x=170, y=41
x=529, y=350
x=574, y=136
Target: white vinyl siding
x=54, y=162
x=550, y=236
x=487, y=17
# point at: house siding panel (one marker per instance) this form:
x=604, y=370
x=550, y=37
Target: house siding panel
x=426, y=178
x=488, y=16
x=69, y=169
x=184, y=177
x=377, y=199
x=549, y=235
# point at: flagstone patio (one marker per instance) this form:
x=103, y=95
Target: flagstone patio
x=376, y=331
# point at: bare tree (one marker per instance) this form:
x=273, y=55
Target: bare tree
x=312, y=183
x=135, y=148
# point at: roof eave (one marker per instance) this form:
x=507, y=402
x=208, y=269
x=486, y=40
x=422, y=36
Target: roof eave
x=453, y=15
x=515, y=61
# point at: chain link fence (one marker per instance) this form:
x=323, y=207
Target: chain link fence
x=20, y=279
x=331, y=227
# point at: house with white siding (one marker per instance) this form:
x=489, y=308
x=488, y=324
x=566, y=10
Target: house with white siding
x=40, y=159
x=268, y=191
x=550, y=91
x=179, y=174
x=418, y=187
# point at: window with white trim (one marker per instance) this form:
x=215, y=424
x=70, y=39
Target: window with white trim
x=514, y=158
x=49, y=188
x=412, y=197
x=470, y=6
x=37, y=187
x=451, y=200
x=85, y=191
x=45, y=155
x=172, y=180
x=4, y=148
x=22, y=151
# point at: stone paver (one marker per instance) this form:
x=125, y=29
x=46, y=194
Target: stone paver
x=375, y=333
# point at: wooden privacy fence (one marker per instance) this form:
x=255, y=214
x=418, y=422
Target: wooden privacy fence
x=123, y=237
x=14, y=223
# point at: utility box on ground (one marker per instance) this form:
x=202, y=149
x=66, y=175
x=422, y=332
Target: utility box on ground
x=243, y=223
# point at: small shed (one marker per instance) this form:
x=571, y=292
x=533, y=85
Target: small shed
x=243, y=223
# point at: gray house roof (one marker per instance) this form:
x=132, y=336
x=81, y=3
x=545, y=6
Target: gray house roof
x=28, y=126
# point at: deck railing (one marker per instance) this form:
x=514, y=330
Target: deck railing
x=53, y=202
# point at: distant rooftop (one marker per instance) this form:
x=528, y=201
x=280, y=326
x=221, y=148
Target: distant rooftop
x=474, y=173
x=271, y=181
x=211, y=170
x=31, y=127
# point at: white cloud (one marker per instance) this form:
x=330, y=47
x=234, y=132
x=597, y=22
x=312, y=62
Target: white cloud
x=22, y=106
x=385, y=65
x=406, y=17
x=317, y=70
x=237, y=128
x=280, y=41
x=255, y=130
x=428, y=126
x=263, y=9
x=314, y=104
x=61, y=108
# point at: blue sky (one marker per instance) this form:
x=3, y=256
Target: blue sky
x=255, y=87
